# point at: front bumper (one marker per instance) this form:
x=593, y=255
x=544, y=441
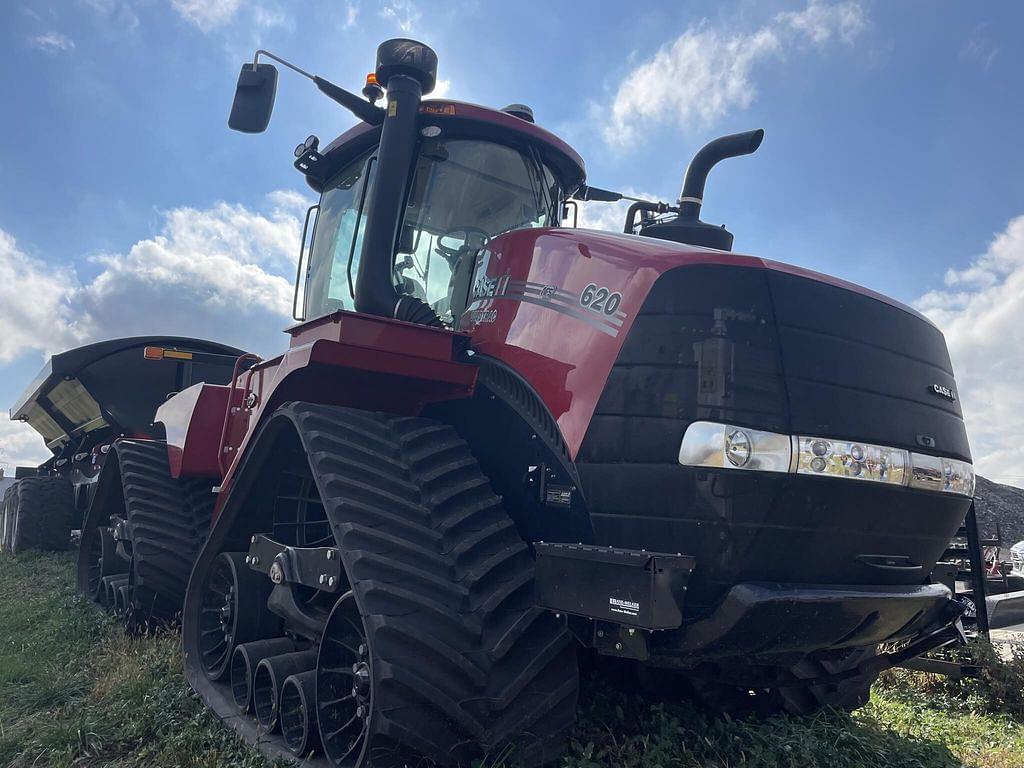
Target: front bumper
x=632, y=604
x=768, y=619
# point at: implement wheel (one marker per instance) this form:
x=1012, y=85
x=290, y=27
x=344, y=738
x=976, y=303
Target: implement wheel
x=38, y=514
x=7, y=517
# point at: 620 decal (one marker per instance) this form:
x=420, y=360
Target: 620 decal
x=599, y=299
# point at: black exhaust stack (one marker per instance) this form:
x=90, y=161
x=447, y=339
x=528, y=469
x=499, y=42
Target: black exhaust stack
x=408, y=70
x=687, y=227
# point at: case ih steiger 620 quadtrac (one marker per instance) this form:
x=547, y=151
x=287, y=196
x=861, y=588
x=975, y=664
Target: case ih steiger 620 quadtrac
x=497, y=444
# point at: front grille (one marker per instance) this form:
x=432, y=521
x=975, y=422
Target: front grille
x=710, y=344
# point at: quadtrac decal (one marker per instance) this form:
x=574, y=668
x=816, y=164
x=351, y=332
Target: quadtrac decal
x=596, y=306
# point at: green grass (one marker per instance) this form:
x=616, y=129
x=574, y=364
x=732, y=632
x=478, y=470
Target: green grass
x=76, y=691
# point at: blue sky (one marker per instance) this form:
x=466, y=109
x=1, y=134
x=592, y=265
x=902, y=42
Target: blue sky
x=892, y=154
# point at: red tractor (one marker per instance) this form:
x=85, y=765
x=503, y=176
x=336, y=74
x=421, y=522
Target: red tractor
x=497, y=444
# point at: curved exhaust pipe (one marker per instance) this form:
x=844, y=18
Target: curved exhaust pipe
x=734, y=145
x=687, y=227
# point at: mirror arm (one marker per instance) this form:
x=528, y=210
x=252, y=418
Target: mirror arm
x=587, y=193
x=279, y=60
x=358, y=106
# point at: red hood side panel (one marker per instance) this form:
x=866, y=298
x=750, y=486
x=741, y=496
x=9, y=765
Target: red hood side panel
x=536, y=304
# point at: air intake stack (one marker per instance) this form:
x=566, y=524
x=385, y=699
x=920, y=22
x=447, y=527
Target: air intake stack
x=687, y=227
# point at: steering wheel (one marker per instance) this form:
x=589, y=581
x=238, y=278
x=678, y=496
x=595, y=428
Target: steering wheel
x=450, y=254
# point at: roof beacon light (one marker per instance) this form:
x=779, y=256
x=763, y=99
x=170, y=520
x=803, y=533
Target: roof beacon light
x=372, y=90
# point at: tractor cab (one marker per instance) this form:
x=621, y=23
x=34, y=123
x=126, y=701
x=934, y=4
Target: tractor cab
x=413, y=189
x=466, y=187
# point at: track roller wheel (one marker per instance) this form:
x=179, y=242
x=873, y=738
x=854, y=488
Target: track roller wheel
x=103, y=561
x=244, y=661
x=344, y=687
x=234, y=611
x=107, y=592
x=269, y=680
x=298, y=713
x=123, y=600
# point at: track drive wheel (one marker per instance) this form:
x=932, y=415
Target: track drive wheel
x=344, y=687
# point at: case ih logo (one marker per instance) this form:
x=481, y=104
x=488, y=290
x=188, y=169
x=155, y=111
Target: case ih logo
x=941, y=391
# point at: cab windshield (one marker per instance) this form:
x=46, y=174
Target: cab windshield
x=464, y=193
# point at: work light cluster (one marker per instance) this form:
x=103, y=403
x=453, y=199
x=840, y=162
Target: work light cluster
x=724, y=446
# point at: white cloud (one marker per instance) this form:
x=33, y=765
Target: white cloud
x=207, y=271
x=224, y=272
x=980, y=47
x=442, y=89
x=609, y=217
x=53, y=42
x=820, y=22
x=267, y=18
x=36, y=302
x=207, y=14
x=351, y=15
x=118, y=12
x=402, y=13
x=708, y=71
x=979, y=312
x=20, y=446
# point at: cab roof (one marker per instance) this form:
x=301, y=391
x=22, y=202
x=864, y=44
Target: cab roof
x=464, y=118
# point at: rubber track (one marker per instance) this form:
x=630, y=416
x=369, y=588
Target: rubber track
x=466, y=664
x=40, y=514
x=168, y=521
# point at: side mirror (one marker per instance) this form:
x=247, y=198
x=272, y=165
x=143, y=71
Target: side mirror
x=254, y=98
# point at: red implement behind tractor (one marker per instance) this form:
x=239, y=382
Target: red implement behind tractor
x=496, y=443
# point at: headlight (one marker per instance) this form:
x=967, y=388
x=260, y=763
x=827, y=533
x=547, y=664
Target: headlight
x=725, y=446
x=934, y=473
x=722, y=446
x=859, y=461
